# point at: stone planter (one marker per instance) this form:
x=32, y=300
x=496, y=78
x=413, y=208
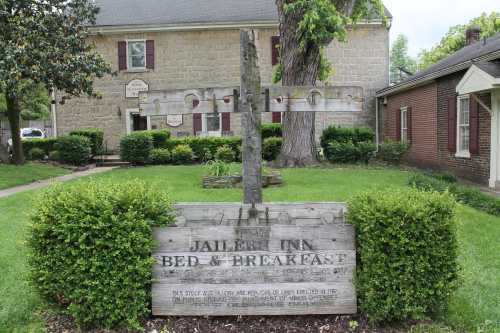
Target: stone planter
x=273, y=179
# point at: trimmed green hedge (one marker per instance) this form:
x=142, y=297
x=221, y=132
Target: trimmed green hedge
x=225, y=154
x=136, y=147
x=407, y=253
x=182, y=154
x=73, y=149
x=345, y=135
x=393, y=151
x=160, y=156
x=36, y=154
x=90, y=249
x=271, y=148
x=465, y=194
x=348, y=152
x=205, y=148
x=47, y=145
x=271, y=131
x=160, y=137
x=96, y=137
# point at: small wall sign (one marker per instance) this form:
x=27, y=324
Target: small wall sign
x=134, y=87
x=174, y=120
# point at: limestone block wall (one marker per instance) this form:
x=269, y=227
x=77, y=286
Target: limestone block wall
x=210, y=58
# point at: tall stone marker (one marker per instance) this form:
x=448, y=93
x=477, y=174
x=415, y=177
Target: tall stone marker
x=290, y=259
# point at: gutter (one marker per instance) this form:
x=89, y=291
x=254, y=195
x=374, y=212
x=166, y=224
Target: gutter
x=432, y=76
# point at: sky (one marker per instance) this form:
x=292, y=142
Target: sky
x=425, y=22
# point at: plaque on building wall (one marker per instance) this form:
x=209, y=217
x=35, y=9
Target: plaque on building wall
x=292, y=259
x=174, y=120
x=134, y=87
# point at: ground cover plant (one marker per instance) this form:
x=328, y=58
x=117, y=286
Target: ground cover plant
x=11, y=175
x=473, y=306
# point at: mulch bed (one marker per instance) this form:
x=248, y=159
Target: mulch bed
x=288, y=324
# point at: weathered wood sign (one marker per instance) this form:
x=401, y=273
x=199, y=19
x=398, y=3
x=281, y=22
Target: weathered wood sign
x=274, y=259
x=274, y=99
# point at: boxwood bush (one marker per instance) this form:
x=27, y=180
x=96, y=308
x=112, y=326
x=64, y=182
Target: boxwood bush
x=182, y=154
x=393, y=151
x=136, y=148
x=225, y=154
x=271, y=148
x=47, y=145
x=160, y=137
x=205, y=148
x=348, y=152
x=74, y=149
x=271, y=131
x=90, y=249
x=36, y=154
x=345, y=135
x=96, y=137
x=160, y=156
x=407, y=253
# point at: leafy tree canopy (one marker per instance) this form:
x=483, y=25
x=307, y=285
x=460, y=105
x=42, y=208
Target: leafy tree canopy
x=34, y=102
x=402, y=65
x=455, y=38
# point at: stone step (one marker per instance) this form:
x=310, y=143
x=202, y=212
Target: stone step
x=112, y=163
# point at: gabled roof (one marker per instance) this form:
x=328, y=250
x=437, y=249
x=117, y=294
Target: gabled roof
x=490, y=67
x=483, y=50
x=186, y=12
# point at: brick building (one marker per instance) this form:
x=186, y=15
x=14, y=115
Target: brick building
x=171, y=44
x=445, y=113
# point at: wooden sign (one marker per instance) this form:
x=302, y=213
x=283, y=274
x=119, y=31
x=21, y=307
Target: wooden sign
x=289, y=259
x=274, y=99
x=134, y=87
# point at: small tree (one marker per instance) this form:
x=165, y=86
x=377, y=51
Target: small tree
x=45, y=42
x=402, y=65
x=306, y=28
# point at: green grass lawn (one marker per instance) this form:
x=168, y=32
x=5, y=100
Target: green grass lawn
x=11, y=175
x=474, y=304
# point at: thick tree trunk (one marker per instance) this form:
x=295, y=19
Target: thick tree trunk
x=4, y=154
x=251, y=119
x=300, y=68
x=14, y=116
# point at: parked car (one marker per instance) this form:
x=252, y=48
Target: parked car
x=28, y=134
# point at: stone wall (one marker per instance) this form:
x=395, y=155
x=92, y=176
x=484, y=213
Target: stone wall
x=210, y=58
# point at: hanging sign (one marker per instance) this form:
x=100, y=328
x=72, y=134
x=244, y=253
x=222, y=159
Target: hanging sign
x=174, y=120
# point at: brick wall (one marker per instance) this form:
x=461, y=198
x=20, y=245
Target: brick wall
x=476, y=168
x=210, y=58
x=424, y=133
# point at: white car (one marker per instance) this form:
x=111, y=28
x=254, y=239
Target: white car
x=28, y=134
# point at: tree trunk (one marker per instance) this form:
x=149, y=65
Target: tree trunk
x=300, y=68
x=4, y=154
x=251, y=119
x=14, y=115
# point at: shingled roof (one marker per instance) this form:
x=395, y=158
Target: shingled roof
x=477, y=53
x=186, y=12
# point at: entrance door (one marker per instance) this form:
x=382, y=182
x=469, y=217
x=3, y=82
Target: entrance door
x=139, y=123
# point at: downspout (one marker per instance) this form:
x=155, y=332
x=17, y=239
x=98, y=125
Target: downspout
x=54, y=115
x=377, y=136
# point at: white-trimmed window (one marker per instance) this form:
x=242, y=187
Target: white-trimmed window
x=136, y=55
x=212, y=124
x=463, y=126
x=404, y=124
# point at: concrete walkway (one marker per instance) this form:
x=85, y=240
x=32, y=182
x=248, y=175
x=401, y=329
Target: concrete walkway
x=47, y=182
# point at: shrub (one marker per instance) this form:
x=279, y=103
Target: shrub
x=73, y=149
x=206, y=155
x=348, y=152
x=136, y=147
x=182, y=154
x=407, y=253
x=160, y=156
x=393, y=151
x=218, y=168
x=36, y=154
x=271, y=148
x=202, y=145
x=90, y=249
x=225, y=154
x=465, y=194
x=55, y=155
x=47, y=145
x=96, y=137
x=271, y=131
x=346, y=135
x=160, y=137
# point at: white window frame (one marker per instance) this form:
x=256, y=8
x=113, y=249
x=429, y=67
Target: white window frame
x=463, y=152
x=129, y=62
x=404, y=121
x=204, y=128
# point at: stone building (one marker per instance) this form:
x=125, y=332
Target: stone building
x=449, y=113
x=171, y=44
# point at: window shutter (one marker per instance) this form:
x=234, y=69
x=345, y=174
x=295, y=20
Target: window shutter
x=150, y=54
x=277, y=117
x=226, y=122
x=398, y=125
x=409, y=124
x=452, y=124
x=122, y=56
x=474, y=126
x=275, y=53
x=197, y=126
